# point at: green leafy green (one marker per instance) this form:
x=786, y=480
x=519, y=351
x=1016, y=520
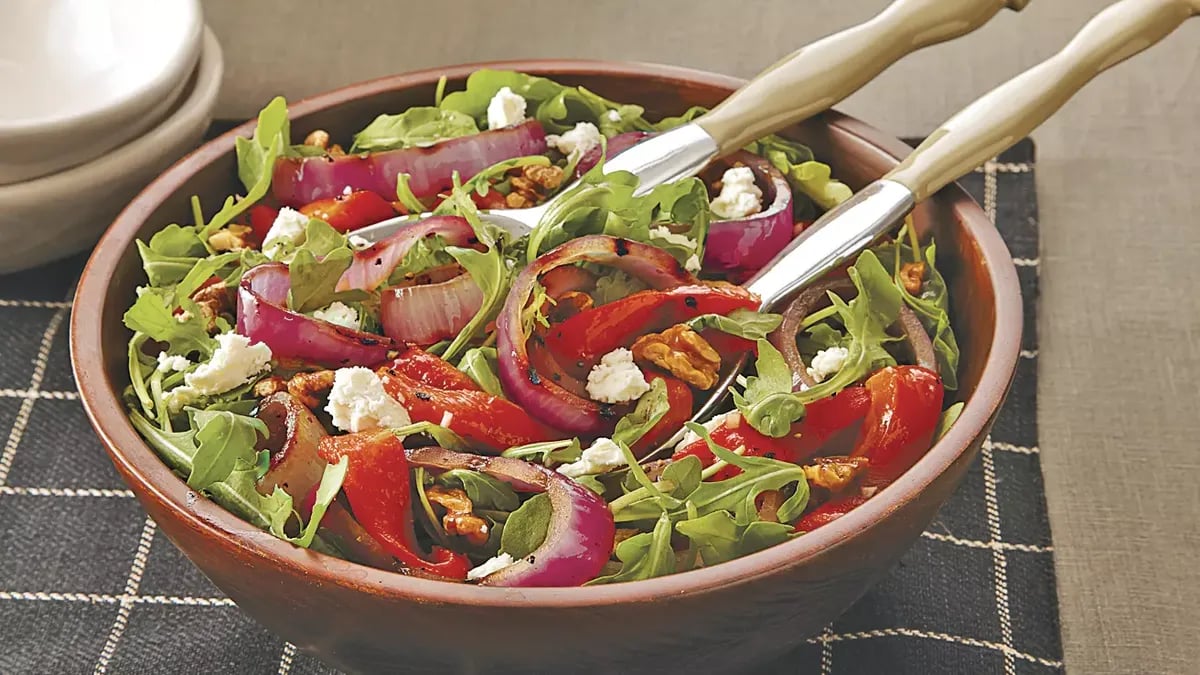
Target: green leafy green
x=331, y=483
x=405, y=196
x=441, y=435
x=815, y=180
x=547, y=452
x=947, y=420
x=614, y=285
x=719, y=536
x=644, y=556
x=767, y=401
x=425, y=253
x=484, y=491
x=525, y=529
x=651, y=408
x=415, y=127
x=743, y=323
x=152, y=314
x=223, y=439
x=256, y=162
x=480, y=364
x=316, y=268
x=931, y=305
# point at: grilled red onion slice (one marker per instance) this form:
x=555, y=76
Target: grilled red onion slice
x=747, y=244
x=372, y=266
x=579, y=539
x=615, y=145
x=784, y=337
x=540, y=395
x=263, y=317
x=299, y=180
x=428, y=313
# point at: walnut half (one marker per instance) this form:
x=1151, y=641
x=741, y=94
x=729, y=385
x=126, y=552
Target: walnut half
x=460, y=518
x=835, y=474
x=682, y=352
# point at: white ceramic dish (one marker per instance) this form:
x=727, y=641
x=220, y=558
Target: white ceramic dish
x=55, y=216
x=80, y=77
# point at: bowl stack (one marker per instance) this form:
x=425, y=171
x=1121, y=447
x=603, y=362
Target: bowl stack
x=100, y=97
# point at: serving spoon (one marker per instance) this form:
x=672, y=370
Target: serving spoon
x=991, y=124
x=802, y=84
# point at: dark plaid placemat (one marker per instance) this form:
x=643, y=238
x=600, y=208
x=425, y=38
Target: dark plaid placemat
x=88, y=584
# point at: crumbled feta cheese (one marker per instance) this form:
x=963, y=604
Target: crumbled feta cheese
x=184, y=316
x=739, y=197
x=338, y=313
x=358, y=402
x=505, y=109
x=692, y=264
x=447, y=418
x=731, y=419
x=491, y=566
x=613, y=116
x=827, y=362
x=358, y=243
x=616, y=379
x=288, y=227
x=233, y=364
x=661, y=232
x=601, y=456
x=577, y=142
x=168, y=363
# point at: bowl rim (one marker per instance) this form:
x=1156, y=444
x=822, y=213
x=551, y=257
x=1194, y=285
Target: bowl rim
x=118, y=111
x=155, y=481
x=195, y=103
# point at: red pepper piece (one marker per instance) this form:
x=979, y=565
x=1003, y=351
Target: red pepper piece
x=378, y=485
x=679, y=398
x=487, y=423
x=906, y=403
x=346, y=213
x=432, y=370
x=589, y=335
x=828, y=512
x=756, y=444
x=262, y=217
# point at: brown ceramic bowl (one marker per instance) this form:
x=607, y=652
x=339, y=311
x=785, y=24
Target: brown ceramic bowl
x=363, y=619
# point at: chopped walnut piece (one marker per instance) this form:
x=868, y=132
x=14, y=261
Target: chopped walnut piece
x=317, y=139
x=621, y=534
x=835, y=474
x=215, y=300
x=912, y=275
x=460, y=518
x=517, y=200
x=768, y=505
x=682, y=352
x=270, y=385
x=546, y=178
x=311, y=388
x=232, y=237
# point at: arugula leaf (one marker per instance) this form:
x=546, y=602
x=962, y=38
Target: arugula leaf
x=767, y=403
x=814, y=179
x=547, y=452
x=932, y=306
x=525, y=529
x=405, y=194
x=421, y=126
x=321, y=239
x=480, y=364
x=613, y=285
x=238, y=493
x=314, y=280
x=484, y=491
x=682, y=202
x=947, y=420
x=152, y=315
x=651, y=408
x=223, y=440
x=741, y=322
x=176, y=448
x=426, y=253
x=671, y=122
x=441, y=435
x=681, y=477
x=177, y=242
x=644, y=556
x=720, y=538
x=327, y=490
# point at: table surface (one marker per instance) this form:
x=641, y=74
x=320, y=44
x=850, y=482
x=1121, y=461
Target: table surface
x=1120, y=345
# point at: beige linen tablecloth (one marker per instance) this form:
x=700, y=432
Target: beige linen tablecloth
x=1117, y=169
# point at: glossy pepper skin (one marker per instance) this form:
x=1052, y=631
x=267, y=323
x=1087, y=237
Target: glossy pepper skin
x=346, y=213
x=828, y=512
x=378, y=485
x=679, y=398
x=906, y=403
x=434, y=391
x=589, y=335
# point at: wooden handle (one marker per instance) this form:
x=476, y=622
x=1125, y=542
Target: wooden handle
x=1009, y=112
x=816, y=77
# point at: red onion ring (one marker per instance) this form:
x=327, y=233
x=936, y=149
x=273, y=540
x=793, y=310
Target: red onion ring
x=262, y=317
x=541, y=396
x=299, y=180
x=579, y=539
x=746, y=244
x=615, y=145
x=294, y=433
x=372, y=266
x=427, y=313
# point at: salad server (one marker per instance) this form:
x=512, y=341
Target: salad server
x=802, y=84
x=986, y=127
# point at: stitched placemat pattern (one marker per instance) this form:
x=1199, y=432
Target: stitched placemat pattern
x=87, y=584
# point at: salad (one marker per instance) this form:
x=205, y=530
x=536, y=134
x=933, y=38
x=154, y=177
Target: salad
x=461, y=403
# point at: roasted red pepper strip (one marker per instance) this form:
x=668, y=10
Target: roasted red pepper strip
x=828, y=512
x=587, y=336
x=756, y=444
x=262, y=217
x=432, y=370
x=379, y=487
x=487, y=423
x=346, y=213
x=906, y=403
x=679, y=398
